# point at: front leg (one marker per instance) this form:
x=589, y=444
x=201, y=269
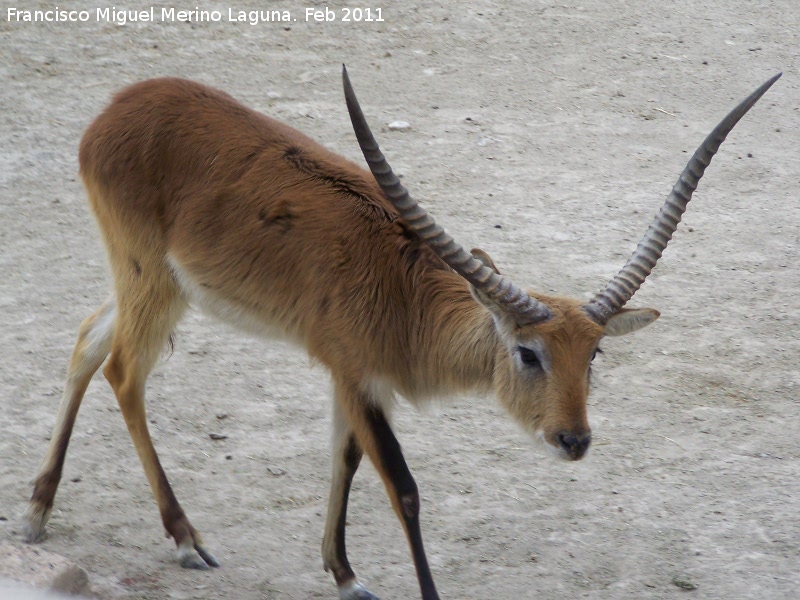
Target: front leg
x=376, y=438
x=346, y=456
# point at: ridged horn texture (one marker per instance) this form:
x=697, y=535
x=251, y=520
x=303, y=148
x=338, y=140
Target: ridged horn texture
x=498, y=288
x=624, y=285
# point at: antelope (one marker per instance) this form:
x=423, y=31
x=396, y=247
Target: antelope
x=202, y=201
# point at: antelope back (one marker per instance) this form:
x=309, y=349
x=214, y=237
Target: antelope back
x=259, y=225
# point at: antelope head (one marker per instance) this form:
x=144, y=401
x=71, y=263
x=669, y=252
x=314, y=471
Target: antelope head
x=546, y=344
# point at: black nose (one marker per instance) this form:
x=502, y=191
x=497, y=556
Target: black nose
x=574, y=445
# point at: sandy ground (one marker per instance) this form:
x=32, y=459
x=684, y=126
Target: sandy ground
x=547, y=133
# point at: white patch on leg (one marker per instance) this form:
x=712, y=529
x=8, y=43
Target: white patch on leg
x=98, y=339
x=381, y=392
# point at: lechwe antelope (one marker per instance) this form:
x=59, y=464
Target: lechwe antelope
x=203, y=201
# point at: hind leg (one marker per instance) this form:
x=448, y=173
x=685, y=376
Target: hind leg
x=91, y=349
x=147, y=314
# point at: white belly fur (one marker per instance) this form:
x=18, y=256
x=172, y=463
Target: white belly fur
x=222, y=308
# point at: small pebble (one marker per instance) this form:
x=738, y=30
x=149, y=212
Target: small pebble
x=683, y=582
x=399, y=126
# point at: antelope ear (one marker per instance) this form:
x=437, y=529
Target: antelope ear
x=485, y=259
x=500, y=315
x=629, y=320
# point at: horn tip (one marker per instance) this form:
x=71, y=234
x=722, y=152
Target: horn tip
x=762, y=89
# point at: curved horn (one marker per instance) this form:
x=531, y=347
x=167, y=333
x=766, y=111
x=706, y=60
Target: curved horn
x=622, y=287
x=498, y=288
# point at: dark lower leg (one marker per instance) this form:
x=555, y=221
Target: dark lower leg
x=334, y=552
x=45, y=487
x=403, y=492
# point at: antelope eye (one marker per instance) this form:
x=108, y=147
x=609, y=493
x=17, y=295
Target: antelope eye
x=528, y=356
x=596, y=352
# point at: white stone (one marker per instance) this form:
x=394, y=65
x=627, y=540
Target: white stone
x=399, y=125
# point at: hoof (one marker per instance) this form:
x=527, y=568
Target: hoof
x=209, y=558
x=34, y=523
x=355, y=591
x=196, y=557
